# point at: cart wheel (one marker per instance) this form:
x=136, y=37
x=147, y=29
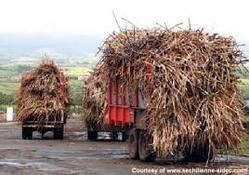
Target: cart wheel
x=92, y=135
x=145, y=149
x=133, y=144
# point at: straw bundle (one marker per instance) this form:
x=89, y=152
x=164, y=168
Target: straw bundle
x=190, y=78
x=44, y=94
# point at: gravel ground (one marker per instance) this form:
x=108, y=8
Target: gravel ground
x=76, y=155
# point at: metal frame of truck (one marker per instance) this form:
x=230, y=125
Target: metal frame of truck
x=56, y=126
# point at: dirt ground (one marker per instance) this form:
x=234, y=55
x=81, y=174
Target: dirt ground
x=76, y=155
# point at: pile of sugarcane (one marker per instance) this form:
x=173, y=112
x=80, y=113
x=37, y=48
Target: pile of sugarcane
x=44, y=94
x=190, y=78
x=95, y=98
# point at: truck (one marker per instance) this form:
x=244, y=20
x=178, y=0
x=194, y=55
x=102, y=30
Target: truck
x=44, y=106
x=54, y=124
x=125, y=115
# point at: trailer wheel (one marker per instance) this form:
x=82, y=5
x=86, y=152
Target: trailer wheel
x=133, y=144
x=145, y=149
x=26, y=133
x=114, y=135
x=59, y=132
x=92, y=135
x=124, y=137
x=200, y=155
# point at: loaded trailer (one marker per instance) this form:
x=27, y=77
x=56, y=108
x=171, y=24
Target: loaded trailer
x=173, y=92
x=43, y=100
x=126, y=115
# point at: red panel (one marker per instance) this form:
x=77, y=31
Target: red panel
x=116, y=102
x=120, y=114
x=110, y=102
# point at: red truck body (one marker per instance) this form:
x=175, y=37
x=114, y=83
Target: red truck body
x=120, y=111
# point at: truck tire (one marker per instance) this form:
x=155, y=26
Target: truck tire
x=199, y=155
x=26, y=133
x=59, y=132
x=114, y=136
x=145, y=149
x=124, y=136
x=133, y=144
x=92, y=135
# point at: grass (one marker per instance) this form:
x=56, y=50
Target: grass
x=244, y=88
x=244, y=146
x=3, y=108
x=75, y=90
x=76, y=71
x=9, y=87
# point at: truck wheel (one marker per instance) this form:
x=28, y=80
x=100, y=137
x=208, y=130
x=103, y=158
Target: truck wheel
x=30, y=133
x=114, y=135
x=199, y=155
x=124, y=137
x=133, y=144
x=24, y=133
x=92, y=135
x=59, y=132
x=145, y=149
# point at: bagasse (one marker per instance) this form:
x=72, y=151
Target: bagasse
x=194, y=102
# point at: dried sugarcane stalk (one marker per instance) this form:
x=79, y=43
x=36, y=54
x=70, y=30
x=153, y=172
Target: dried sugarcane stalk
x=43, y=94
x=195, y=100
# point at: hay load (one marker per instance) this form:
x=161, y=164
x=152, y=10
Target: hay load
x=44, y=94
x=192, y=84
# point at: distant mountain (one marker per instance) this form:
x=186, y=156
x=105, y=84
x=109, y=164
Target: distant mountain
x=70, y=46
x=67, y=46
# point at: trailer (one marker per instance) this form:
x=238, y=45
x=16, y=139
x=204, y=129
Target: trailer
x=54, y=124
x=125, y=116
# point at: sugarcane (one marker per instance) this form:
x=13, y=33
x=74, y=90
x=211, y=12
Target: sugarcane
x=192, y=84
x=43, y=93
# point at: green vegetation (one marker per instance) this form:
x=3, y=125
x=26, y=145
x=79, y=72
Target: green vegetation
x=244, y=88
x=76, y=71
x=75, y=89
x=244, y=146
x=11, y=70
x=9, y=88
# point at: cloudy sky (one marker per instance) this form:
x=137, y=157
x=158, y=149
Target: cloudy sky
x=95, y=18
